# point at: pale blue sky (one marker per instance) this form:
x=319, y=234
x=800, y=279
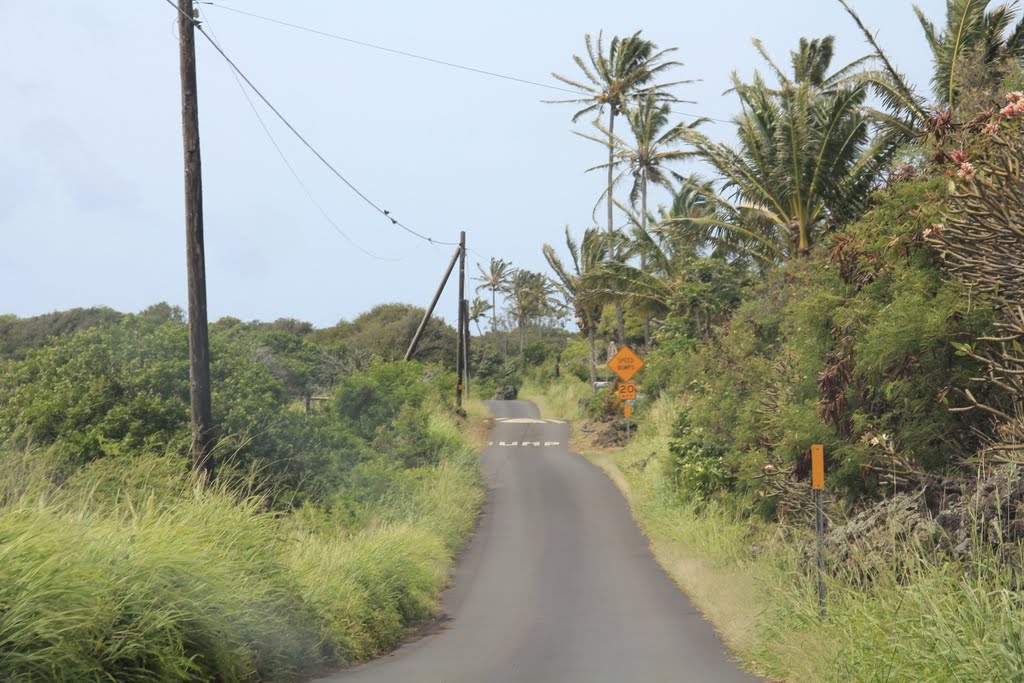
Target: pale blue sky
x=90, y=172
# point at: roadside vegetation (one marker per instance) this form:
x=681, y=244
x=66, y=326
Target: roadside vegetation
x=345, y=486
x=845, y=274
x=844, y=270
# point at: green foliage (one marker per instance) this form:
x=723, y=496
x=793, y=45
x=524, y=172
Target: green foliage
x=108, y=390
x=19, y=336
x=575, y=359
x=693, y=467
x=385, y=332
x=132, y=572
x=536, y=353
x=921, y=618
x=373, y=398
x=849, y=348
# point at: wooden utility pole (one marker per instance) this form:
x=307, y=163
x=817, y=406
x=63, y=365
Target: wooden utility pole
x=198, y=333
x=465, y=342
x=460, y=361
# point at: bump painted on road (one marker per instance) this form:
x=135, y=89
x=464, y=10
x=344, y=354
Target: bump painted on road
x=528, y=444
x=528, y=421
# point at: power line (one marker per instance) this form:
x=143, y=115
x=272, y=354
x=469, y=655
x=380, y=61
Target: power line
x=412, y=55
x=284, y=158
x=403, y=53
x=384, y=212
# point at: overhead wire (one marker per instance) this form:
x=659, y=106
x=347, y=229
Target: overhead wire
x=413, y=55
x=384, y=212
x=291, y=169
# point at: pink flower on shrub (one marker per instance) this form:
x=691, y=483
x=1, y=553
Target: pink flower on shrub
x=958, y=156
x=966, y=170
x=1015, y=106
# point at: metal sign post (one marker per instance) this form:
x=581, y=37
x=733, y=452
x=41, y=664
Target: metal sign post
x=818, y=484
x=627, y=411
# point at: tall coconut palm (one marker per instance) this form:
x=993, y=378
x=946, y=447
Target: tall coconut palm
x=646, y=158
x=631, y=66
x=805, y=159
x=587, y=256
x=495, y=279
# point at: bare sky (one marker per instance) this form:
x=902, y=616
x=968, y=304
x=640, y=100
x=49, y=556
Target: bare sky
x=91, y=198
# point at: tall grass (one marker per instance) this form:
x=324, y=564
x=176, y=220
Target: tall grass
x=922, y=618
x=558, y=399
x=136, y=574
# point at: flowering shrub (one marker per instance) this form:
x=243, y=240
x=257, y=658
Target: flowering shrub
x=1015, y=107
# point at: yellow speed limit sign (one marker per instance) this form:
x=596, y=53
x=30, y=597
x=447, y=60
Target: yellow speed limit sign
x=627, y=391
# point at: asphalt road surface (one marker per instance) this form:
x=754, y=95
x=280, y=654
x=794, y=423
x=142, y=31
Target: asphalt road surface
x=557, y=585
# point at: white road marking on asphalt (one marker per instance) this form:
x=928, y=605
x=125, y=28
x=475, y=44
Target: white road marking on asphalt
x=528, y=421
x=531, y=444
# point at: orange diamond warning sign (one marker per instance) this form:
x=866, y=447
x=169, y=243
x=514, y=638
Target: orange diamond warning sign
x=625, y=363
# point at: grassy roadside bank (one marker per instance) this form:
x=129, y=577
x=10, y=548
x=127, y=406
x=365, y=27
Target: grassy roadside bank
x=902, y=616
x=128, y=571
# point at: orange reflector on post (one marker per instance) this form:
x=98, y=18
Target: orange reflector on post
x=818, y=467
x=627, y=410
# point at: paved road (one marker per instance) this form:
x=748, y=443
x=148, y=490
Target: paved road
x=557, y=585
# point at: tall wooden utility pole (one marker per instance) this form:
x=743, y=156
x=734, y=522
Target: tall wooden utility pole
x=460, y=361
x=198, y=334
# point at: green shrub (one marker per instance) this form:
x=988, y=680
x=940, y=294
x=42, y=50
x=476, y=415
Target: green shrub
x=692, y=466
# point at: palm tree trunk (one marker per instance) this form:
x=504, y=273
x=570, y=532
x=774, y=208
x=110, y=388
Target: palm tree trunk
x=522, y=338
x=591, y=338
x=494, y=308
x=643, y=224
x=620, y=322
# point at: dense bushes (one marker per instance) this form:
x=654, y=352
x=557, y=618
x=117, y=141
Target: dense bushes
x=329, y=530
x=853, y=347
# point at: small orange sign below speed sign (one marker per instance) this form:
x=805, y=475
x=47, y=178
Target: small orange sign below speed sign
x=627, y=391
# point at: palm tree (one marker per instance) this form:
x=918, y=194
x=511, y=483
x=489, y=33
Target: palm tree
x=629, y=68
x=972, y=33
x=586, y=256
x=677, y=279
x=645, y=159
x=530, y=296
x=478, y=308
x=495, y=279
x=806, y=156
x=653, y=148
x=971, y=53
x=683, y=226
